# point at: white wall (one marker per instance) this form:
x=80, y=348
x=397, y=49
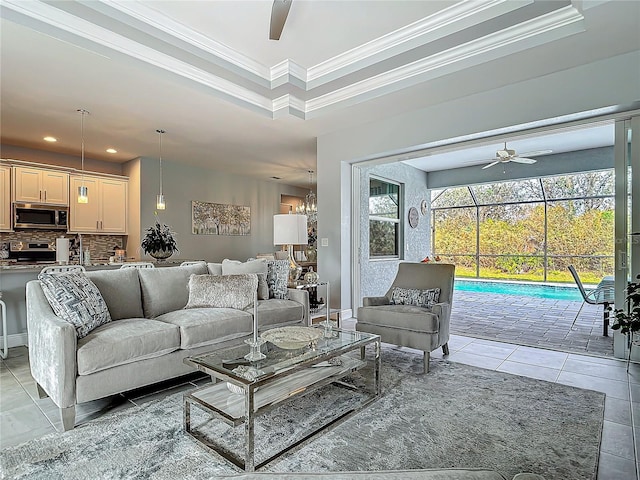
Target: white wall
x=610, y=82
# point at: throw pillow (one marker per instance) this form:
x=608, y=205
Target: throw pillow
x=75, y=299
x=415, y=296
x=278, y=278
x=222, y=291
x=259, y=267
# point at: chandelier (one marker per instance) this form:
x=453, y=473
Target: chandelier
x=309, y=207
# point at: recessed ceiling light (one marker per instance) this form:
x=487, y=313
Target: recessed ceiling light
x=112, y=150
x=50, y=139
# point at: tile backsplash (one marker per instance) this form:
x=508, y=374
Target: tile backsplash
x=100, y=246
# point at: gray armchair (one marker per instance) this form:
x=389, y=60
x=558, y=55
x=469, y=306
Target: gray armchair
x=422, y=328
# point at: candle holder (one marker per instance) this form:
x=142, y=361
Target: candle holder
x=256, y=342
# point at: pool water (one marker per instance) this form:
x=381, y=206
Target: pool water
x=523, y=289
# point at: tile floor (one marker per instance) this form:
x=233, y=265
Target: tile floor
x=537, y=322
x=23, y=416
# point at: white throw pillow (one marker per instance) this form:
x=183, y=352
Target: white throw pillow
x=75, y=299
x=259, y=267
x=222, y=291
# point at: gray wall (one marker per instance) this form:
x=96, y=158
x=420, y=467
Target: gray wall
x=183, y=183
x=576, y=89
x=376, y=275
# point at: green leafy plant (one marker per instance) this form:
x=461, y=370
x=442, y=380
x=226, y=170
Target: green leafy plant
x=159, y=238
x=628, y=320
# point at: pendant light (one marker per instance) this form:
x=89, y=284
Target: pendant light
x=83, y=191
x=160, y=205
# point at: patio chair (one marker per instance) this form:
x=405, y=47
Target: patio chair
x=601, y=295
x=403, y=321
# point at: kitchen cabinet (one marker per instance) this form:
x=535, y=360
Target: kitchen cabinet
x=106, y=212
x=39, y=185
x=5, y=198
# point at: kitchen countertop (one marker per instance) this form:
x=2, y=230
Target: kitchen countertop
x=26, y=266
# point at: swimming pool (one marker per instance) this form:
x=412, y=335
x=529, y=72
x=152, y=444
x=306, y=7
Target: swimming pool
x=524, y=289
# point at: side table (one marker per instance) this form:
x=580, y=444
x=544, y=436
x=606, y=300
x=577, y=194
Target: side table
x=318, y=309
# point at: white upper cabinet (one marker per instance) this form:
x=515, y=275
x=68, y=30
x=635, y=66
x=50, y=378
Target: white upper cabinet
x=38, y=185
x=106, y=212
x=5, y=198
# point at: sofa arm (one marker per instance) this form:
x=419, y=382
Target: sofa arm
x=374, y=301
x=52, y=348
x=301, y=296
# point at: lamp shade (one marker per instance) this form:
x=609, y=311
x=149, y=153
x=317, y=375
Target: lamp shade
x=289, y=229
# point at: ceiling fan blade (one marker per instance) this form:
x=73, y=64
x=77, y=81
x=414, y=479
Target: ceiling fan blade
x=279, y=12
x=536, y=153
x=491, y=164
x=523, y=160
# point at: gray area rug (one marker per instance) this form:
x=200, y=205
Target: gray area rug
x=455, y=416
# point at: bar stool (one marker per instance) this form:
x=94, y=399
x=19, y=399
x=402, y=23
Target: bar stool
x=137, y=265
x=5, y=336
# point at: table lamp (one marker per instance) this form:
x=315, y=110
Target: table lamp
x=290, y=229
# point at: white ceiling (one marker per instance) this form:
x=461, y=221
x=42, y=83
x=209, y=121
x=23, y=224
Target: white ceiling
x=231, y=99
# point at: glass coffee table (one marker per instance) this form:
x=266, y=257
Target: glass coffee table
x=242, y=391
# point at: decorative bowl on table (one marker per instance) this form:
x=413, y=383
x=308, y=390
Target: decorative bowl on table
x=292, y=338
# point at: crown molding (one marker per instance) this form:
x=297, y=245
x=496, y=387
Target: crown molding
x=545, y=28
x=438, y=25
x=551, y=26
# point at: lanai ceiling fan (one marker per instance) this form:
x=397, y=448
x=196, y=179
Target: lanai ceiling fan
x=506, y=155
x=279, y=12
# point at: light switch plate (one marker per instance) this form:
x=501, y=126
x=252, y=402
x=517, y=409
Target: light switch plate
x=324, y=242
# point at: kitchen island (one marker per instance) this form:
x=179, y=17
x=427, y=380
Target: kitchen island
x=13, y=280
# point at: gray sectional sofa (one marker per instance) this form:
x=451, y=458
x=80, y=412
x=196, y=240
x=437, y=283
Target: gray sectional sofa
x=149, y=336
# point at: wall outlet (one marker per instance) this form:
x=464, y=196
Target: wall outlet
x=324, y=242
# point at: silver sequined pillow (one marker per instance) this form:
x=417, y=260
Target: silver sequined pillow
x=278, y=278
x=222, y=291
x=415, y=296
x=75, y=299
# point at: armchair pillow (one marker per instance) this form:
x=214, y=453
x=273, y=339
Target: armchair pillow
x=222, y=291
x=75, y=299
x=414, y=296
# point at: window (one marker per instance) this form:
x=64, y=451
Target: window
x=384, y=219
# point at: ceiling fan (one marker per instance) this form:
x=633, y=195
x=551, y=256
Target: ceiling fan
x=505, y=155
x=279, y=12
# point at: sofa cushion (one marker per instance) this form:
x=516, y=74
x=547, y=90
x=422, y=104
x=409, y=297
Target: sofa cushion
x=222, y=291
x=278, y=278
x=408, y=317
x=75, y=299
x=276, y=311
x=259, y=267
x=121, y=291
x=125, y=341
x=414, y=296
x=166, y=289
x=206, y=326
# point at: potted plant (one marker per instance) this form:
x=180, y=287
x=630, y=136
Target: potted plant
x=628, y=320
x=159, y=242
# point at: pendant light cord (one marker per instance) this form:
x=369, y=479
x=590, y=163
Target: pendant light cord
x=160, y=132
x=82, y=113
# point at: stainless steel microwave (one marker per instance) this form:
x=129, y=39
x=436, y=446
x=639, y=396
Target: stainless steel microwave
x=30, y=215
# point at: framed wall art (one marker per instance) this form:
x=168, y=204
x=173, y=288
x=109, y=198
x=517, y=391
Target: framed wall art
x=220, y=219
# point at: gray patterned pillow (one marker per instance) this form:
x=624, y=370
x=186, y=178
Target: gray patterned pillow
x=75, y=299
x=415, y=296
x=222, y=291
x=278, y=278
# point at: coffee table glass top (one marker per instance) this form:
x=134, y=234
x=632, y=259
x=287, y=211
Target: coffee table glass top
x=280, y=360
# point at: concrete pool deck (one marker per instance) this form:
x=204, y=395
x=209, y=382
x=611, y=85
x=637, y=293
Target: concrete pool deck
x=537, y=322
